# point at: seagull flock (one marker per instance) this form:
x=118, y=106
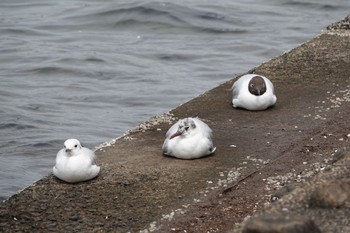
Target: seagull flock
x=189, y=138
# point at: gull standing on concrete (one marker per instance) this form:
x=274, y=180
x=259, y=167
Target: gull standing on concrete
x=253, y=92
x=75, y=163
x=189, y=138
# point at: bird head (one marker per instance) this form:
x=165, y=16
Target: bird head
x=257, y=86
x=72, y=146
x=186, y=126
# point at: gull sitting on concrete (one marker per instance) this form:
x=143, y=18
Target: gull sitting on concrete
x=253, y=92
x=189, y=138
x=75, y=163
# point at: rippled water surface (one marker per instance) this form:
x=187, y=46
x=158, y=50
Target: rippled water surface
x=94, y=69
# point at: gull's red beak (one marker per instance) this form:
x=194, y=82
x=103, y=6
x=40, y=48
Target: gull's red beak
x=178, y=133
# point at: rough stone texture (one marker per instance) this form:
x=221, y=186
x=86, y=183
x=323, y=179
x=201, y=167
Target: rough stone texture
x=280, y=224
x=324, y=199
x=331, y=194
x=342, y=24
x=257, y=153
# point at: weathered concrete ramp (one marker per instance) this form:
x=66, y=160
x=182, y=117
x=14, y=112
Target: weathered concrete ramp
x=257, y=152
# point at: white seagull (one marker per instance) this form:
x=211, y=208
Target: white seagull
x=253, y=92
x=75, y=163
x=189, y=138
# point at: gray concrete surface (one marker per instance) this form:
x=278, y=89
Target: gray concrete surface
x=258, y=155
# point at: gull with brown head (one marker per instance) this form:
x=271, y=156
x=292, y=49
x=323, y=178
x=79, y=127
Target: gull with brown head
x=253, y=92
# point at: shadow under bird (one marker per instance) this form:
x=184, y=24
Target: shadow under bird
x=75, y=163
x=253, y=92
x=189, y=138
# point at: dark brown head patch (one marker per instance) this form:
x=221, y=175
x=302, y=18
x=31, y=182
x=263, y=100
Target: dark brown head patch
x=257, y=86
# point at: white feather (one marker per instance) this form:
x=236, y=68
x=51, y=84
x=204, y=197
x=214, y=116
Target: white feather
x=75, y=163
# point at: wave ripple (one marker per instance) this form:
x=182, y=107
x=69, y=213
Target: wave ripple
x=158, y=16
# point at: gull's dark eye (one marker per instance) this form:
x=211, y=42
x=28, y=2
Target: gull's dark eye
x=186, y=128
x=76, y=146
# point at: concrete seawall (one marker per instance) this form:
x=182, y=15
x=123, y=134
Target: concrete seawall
x=258, y=153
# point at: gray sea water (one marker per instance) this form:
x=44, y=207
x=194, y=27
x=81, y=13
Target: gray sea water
x=94, y=69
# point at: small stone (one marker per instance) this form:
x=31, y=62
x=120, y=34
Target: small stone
x=340, y=155
x=100, y=224
x=116, y=223
x=51, y=225
x=51, y=218
x=25, y=216
x=125, y=183
x=283, y=191
x=280, y=224
x=331, y=194
x=74, y=217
